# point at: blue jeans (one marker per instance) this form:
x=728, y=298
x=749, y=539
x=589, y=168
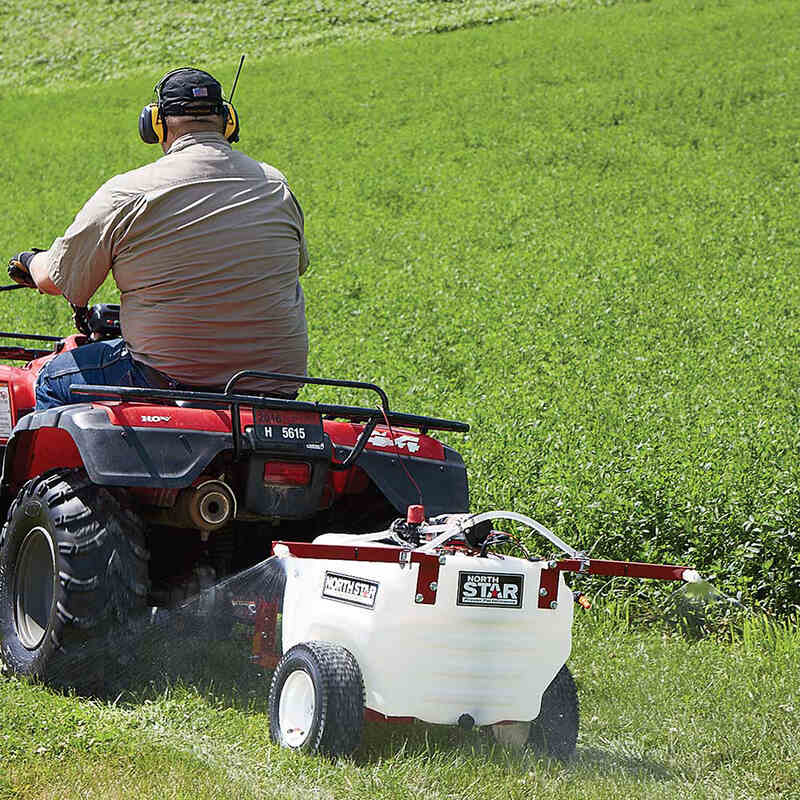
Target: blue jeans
x=106, y=363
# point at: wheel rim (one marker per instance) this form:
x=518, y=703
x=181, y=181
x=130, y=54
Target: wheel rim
x=296, y=709
x=512, y=734
x=34, y=594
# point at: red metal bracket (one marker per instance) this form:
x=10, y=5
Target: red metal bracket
x=427, y=575
x=548, y=588
x=548, y=581
x=266, y=647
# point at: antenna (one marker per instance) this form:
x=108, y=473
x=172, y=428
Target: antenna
x=236, y=79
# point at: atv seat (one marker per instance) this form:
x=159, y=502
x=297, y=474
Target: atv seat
x=159, y=380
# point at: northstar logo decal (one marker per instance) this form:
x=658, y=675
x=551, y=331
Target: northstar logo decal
x=489, y=589
x=347, y=589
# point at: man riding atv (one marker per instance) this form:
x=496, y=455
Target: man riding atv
x=206, y=247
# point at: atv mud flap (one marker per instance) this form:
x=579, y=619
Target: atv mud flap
x=443, y=483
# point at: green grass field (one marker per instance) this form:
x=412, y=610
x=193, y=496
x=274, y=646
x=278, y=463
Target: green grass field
x=661, y=719
x=575, y=229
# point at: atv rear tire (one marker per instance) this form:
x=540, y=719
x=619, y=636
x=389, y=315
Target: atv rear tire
x=554, y=732
x=72, y=566
x=316, y=700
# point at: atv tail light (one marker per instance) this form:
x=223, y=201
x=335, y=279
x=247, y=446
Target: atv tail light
x=287, y=473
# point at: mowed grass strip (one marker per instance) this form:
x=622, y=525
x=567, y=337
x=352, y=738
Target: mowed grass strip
x=576, y=232
x=58, y=42
x=661, y=718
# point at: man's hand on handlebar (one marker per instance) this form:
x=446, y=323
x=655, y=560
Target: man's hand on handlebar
x=80, y=317
x=19, y=268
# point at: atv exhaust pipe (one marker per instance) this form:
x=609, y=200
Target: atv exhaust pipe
x=208, y=506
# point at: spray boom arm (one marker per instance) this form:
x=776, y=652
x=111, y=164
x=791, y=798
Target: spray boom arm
x=548, y=582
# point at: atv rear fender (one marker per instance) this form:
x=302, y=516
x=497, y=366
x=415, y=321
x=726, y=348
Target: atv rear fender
x=112, y=455
x=139, y=446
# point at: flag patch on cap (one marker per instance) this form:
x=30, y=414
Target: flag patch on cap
x=200, y=91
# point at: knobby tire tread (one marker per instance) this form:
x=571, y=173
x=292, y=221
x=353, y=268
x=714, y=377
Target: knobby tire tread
x=101, y=562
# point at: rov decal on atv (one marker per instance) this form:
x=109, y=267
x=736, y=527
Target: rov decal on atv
x=489, y=589
x=358, y=591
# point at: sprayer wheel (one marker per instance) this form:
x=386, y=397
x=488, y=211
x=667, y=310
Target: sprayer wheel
x=72, y=566
x=554, y=732
x=316, y=700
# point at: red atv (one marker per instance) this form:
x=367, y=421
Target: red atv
x=151, y=495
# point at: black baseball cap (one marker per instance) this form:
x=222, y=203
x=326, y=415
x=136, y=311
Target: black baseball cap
x=189, y=91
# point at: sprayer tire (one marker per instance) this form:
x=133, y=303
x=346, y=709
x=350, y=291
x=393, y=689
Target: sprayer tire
x=334, y=700
x=555, y=731
x=73, y=565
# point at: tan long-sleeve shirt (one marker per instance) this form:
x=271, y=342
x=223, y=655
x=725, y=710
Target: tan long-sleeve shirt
x=206, y=246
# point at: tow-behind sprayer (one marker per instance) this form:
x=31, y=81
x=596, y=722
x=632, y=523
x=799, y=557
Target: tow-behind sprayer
x=426, y=620
x=144, y=505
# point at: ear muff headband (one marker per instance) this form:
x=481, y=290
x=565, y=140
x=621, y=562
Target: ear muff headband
x=152, y=125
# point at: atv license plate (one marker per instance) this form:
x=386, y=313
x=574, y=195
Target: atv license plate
x=302, y=429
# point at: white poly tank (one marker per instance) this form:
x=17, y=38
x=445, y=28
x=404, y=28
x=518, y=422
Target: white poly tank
x=484, y=648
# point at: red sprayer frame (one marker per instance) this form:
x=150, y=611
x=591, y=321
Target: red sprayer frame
x=427, y=577
x=266, y=648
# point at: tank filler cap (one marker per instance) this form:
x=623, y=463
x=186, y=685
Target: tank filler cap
x=416, y=515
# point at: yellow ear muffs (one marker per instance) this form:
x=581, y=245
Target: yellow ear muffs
x=231, y=123
x=151, y=125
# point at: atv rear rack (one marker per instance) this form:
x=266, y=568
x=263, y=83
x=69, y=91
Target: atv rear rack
x=370, y=416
